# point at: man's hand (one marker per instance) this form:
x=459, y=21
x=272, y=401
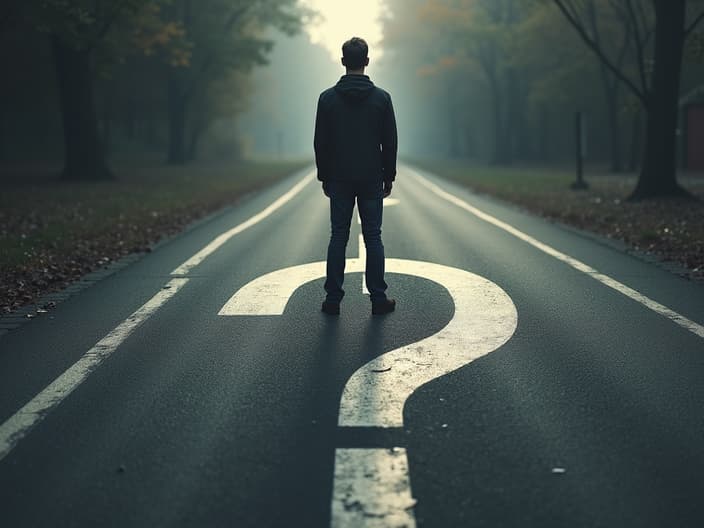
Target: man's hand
x=325, y=189
x=388, y=185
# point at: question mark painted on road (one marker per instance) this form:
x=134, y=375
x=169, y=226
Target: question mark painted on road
x=372, y=485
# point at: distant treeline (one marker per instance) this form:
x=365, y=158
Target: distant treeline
x=146, y=77
x=501, y=80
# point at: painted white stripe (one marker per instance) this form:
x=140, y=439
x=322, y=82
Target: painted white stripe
x=484, y=319
x=649, y=303
x=372, y=489
x=372, y=486
x=363, y=259
x=20, y=423
x=269, y=294
x=221, y=239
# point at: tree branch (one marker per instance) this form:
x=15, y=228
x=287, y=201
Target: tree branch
x=107, y=24
x=7, y=17
x=640, y=45
x=688, y=31
x=210, y=58
x=574, y=11
x=625, y=44
x=638, y=92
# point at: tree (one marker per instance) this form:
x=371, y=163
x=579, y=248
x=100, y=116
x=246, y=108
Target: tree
x=657, y=82
x=481, y=32
x=225, y=37
x=76, y=30
x=556, y=67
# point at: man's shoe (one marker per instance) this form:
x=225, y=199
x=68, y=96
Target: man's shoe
x=383, y=307
x=330, y=308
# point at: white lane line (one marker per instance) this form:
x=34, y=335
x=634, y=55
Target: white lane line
x=221, y=239
x=20, y=423
x=649, y=303
x=372, y=488
x=363, y=260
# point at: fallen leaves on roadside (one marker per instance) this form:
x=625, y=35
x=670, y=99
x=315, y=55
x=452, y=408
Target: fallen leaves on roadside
x=669, y=229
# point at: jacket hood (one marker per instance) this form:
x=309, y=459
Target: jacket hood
x=354, y=87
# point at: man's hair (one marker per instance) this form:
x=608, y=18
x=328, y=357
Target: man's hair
x=355, y=51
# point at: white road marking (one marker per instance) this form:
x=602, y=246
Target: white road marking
x=372, y=489
x=372, y=486
x=485, y=318
x=363, y=259
x=269, y=294
x=388, y=202
x=19, y=424
x=221, y=239
x=649, y=303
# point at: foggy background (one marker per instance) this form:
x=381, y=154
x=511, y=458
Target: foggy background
x=492, y=82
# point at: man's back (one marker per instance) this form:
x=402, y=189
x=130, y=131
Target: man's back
x=355, y=132
x=355, y=151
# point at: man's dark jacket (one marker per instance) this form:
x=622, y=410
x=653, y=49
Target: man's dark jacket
x=355, y=132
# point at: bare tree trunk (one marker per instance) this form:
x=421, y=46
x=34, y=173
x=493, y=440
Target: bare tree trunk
x=453, y=122
x=107, y=122
x=544, y=140
x=131, y=118
x=636, y=141
x=502, y=139
x=84, y=155
x=3, y=136
x=194, y=141
x=177, y=121
x=519, y=146
x=612, y=106
x=658, y=176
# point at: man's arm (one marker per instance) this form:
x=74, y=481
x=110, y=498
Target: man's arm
x=389, y=144
x=321, y=142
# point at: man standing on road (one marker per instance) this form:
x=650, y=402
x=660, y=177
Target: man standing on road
x=355, y=152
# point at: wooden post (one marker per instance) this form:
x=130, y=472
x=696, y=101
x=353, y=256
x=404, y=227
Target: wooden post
x=579, y=183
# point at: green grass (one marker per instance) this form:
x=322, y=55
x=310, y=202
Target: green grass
x=503, y=180
x=671, y=228
x=41, y=218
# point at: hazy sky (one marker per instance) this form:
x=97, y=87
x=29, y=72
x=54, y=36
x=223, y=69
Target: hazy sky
x=344, y=19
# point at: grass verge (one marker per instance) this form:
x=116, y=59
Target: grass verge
x=670, y=230
x=52, y=233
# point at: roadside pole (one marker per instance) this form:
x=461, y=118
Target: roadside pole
x=580, y=149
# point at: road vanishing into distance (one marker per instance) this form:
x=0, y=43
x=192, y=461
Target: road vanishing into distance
x=531, y=376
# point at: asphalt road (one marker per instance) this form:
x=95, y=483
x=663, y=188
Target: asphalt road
x=589, y=414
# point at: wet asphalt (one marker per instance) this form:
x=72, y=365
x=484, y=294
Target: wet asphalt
x=203, y=420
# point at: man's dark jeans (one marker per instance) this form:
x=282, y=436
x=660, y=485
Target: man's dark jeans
x=369, y=196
